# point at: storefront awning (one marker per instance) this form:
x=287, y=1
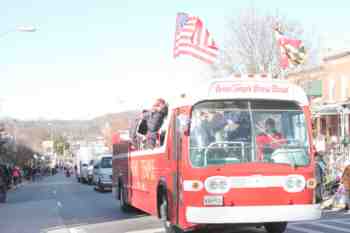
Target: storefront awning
x=334, y=109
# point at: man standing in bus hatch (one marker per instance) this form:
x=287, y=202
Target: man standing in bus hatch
x=155, y=121
x=270, y=138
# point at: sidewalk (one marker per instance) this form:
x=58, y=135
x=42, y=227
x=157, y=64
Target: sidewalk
x=330, y=206
x=25, y=183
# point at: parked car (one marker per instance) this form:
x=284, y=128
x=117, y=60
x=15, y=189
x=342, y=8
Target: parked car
x=102, y=172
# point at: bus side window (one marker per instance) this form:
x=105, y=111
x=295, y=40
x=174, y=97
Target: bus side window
x=138, y=133
x=163, y=130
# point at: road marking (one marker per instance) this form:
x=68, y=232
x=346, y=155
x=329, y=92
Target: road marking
x=66, y=230
x=62, y=230
x=154, y=230
x=301, y=229
x=330, y=227
x=341, y=221
x=59, y=204
x=76, y=230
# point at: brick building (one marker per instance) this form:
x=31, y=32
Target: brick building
x=328, y=88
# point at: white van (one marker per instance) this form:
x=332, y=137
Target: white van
x=83, y=158
x=102, y=172
x=86, y=172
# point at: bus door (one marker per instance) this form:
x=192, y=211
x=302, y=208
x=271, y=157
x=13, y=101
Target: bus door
x=176, y=164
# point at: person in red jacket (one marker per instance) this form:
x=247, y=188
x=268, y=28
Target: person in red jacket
x=269, y=140
x=16, y=175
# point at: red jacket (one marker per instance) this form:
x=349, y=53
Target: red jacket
x=16, y=172
x=274, y=140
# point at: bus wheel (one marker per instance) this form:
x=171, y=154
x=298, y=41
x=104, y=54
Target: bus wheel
x=169, y=228
x=275, y=227
x=125, y=207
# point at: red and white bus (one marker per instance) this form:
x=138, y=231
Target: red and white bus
x=236, y=151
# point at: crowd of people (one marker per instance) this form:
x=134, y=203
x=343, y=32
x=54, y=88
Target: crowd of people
x=147, y=133
x=332, y=193
x=12, y=176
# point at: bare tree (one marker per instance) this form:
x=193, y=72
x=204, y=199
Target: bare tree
x=252, y=48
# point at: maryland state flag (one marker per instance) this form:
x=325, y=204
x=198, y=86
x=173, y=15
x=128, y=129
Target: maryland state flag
x=293, y=52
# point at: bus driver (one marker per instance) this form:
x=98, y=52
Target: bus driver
x=269, y=139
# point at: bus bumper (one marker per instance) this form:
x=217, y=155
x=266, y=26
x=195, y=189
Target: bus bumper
x=252, y=214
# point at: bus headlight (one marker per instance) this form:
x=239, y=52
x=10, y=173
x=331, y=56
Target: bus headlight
x=294, y=183
x=217, y=184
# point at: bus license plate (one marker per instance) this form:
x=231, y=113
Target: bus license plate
x=213, y=200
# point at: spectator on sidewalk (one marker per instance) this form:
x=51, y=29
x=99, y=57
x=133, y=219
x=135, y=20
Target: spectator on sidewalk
x=3, y=184
x=8, y=176
x=320, y=174
x=30, y=173
x=16, y=176
x=345, y=180
x=34, y=171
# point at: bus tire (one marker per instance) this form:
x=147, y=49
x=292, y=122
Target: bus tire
x=164, y=216
x=123, y=199
x=275, y=227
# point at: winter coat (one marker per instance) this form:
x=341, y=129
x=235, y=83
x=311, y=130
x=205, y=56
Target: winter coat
x=319, y=173
x=16, y=172
x=156, y=119
x=2, y=176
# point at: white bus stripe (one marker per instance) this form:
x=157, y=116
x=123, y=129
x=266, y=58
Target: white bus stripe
x=154, y=152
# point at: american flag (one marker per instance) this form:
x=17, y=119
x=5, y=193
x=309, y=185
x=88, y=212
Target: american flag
x=192, y=38
x=292, y=51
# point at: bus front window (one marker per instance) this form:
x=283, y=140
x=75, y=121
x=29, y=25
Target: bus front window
x=242, y=131
x=220, y=133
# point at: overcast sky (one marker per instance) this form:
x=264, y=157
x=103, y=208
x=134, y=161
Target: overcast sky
x=94, y=57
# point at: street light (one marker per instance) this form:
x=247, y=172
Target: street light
x=20, y=29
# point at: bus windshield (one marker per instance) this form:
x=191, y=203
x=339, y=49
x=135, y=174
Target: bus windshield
x=243, y=131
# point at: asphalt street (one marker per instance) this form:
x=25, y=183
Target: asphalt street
x=62, y=205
